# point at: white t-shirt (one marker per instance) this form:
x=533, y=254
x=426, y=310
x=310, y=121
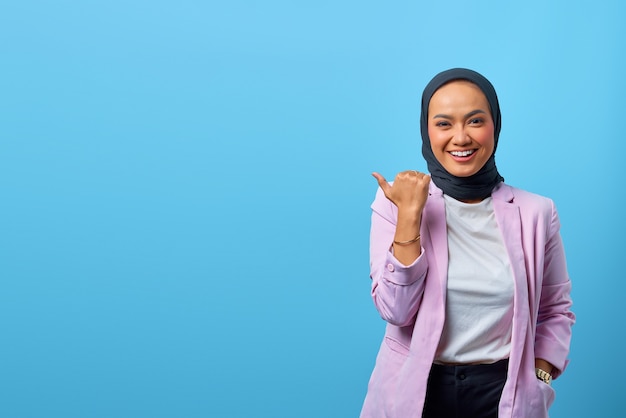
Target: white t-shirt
x=479, y=303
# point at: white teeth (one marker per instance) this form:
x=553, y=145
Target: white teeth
x=462, y=153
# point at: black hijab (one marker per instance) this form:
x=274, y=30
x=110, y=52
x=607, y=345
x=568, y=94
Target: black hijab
x=476, y=186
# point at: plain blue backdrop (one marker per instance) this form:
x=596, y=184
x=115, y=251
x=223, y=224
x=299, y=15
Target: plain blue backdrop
x=185, y=190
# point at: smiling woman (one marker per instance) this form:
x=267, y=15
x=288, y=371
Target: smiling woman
x=468, y=272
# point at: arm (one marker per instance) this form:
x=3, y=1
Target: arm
x=398, y=270
x=555, y=319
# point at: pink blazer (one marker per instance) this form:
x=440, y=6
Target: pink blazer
x=412, y=301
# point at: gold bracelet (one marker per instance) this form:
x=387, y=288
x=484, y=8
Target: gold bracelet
x=543, y=375
x=407, y=242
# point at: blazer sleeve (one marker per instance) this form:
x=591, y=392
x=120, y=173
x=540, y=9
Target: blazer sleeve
x=555, y=318
x=396, y=289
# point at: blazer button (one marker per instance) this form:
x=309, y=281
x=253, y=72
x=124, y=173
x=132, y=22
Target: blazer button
x=390, y=267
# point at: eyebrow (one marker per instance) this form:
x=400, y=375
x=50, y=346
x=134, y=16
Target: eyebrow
x=469, y=115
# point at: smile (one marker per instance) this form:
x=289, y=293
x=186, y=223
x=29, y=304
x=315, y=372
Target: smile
x=466, y=153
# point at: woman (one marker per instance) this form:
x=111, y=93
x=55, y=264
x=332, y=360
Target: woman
x=468, y=272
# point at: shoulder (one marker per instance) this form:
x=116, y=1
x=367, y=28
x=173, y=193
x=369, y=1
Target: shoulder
x=531, y=205
x=521, y=197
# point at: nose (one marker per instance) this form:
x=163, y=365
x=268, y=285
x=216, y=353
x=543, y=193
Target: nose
x=461, y=137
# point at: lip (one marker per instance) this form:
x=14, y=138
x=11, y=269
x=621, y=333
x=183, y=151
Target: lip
x=463, y=159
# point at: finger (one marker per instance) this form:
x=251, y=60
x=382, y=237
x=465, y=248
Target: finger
x=381, y=181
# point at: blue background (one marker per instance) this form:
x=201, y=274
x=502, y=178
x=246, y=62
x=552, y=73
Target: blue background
x=185, y=191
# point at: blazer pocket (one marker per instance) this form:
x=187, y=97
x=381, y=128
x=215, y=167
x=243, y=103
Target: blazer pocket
x=396, y=346
x=545, y=394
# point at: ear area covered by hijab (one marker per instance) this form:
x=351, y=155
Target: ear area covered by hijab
x=481, y=184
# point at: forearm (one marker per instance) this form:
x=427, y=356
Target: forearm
x=554, y=326
x=409, y=194
x=554, y=317
x=396, y=288
x=406, y=248
x=397, y=270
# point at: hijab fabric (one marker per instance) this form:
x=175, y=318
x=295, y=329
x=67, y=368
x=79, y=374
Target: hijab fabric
x=481, y=184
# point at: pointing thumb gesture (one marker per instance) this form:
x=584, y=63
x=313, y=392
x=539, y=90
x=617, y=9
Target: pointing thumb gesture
x=409, y=190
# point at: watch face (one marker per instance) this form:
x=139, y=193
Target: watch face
x=543, y=376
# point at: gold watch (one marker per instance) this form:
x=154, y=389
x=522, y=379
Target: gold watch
x=543, y=375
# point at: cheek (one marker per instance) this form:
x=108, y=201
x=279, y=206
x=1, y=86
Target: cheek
x=486, y=138
x=435, y=138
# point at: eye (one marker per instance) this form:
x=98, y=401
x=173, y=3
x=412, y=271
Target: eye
x=476, y=121
x=442, y=123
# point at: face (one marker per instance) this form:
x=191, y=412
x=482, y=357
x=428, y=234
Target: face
x=460, y=128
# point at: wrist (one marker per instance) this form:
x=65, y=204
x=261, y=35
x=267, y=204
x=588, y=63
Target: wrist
x=543, y=375
x=415, y=240
x=409, y=211
x=408, y=222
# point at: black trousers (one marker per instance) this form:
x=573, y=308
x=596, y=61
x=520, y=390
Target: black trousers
x=465, y=391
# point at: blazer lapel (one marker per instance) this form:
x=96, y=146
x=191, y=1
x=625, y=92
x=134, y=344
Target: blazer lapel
x=510, y=224
x=434, y=224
